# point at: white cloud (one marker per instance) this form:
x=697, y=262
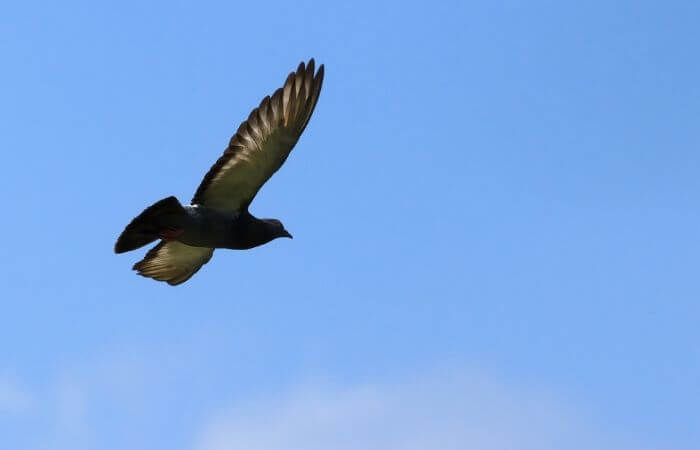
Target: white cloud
x=71, y=416
x=446, y=411
x=82, y=406
x=15, y=400
x=116, y=402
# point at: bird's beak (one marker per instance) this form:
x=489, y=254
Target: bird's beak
x=286, y=234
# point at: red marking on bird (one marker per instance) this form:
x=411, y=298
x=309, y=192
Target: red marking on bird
x=171, y=234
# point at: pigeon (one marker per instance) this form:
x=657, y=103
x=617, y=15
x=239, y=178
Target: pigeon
x=218, y=216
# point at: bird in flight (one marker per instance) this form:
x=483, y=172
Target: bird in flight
x=218, y=215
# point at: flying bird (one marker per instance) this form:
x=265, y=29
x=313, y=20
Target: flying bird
x=218, y=216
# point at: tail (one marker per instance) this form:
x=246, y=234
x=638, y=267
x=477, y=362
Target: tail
x=147, y=227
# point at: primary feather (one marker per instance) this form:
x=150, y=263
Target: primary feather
x=262, y=143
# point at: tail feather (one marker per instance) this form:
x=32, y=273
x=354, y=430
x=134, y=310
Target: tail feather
x=148, y=225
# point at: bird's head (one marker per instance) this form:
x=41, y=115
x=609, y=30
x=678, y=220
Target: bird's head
x=276, y=229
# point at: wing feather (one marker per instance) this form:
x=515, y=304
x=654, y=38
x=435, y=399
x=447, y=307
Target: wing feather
x=173, y=262
x=262, y=143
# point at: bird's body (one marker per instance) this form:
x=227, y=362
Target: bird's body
x=218, y=215
x=236, y=230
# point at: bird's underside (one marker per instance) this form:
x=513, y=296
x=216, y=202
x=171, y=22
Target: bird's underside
x=218, y=216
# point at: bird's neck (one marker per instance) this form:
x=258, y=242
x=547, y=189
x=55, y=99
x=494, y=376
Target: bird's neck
x=249, y=231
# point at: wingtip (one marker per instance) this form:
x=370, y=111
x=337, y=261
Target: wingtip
x=310, y=66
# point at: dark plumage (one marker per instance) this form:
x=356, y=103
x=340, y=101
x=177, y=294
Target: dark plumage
x=218, y=215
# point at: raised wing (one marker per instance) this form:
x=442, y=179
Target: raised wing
x=173, y=262
x=262, y=143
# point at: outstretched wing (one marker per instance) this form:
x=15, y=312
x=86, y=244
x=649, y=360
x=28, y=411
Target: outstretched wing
x=262, y=143
x=173, y=262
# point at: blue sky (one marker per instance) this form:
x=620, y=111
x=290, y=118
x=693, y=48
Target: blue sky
x=494, y=209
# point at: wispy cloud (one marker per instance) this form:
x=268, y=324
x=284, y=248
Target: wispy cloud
x=442, y=411
x=84, y=406
x=114, y=403
x=70, y=423
x=15, y=399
